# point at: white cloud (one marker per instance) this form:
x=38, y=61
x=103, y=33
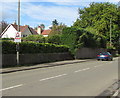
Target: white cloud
x=61, y=13
x=62, y=0
x=8, y=10
x=38, y=13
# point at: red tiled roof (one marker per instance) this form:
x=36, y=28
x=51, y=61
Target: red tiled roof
x=46, y=32
x=22, y=28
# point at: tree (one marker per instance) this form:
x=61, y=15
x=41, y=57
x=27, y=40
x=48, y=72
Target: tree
x=97, y=17
x=57, y=29
x=3, y=25
x=55, y=39
x=70, y=37
x=43, y=26
x=54, y=22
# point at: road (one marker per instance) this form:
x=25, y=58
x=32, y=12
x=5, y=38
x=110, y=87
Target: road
x=80, y=79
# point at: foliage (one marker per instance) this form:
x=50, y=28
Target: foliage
x=10, y=39
x=54, y=22
x=43, y=26
x=9, y=47
x=57, y=29
x=97, y=18
x=35, y=38
x=70, y=37
x=55, y=39
x=86, y=40
x=77, y=37
x=3, y=25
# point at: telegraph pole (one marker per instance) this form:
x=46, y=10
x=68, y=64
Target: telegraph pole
x=110, y=32
x=18, y=29
x=18, y=15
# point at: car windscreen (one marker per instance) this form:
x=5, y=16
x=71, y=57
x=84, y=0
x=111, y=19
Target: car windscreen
x=105, y=53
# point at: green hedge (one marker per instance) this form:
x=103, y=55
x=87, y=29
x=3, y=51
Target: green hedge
x=9, y=47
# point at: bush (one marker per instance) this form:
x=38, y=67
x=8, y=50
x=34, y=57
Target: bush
x=55, y=39
x=9, y=47
x=34, y=38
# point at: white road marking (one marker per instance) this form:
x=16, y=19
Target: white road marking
x=95, y=66
x=78, y=70
x=98, y=65
x=53, y=77
x=86, y=69
x=11, y=87
x=82, y=70
x=103, y=64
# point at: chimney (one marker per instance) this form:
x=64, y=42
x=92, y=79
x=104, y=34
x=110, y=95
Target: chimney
x=39, y=30
x=15, y=22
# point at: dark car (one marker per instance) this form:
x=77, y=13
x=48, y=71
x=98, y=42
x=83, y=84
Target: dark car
x=105, y=56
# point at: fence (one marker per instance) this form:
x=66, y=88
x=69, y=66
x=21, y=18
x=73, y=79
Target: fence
x=10, y=59
x=88, y=52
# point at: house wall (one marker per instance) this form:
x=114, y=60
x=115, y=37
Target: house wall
x=10, y=33
x=10, y=59
x=45, y=35
x=88, y=52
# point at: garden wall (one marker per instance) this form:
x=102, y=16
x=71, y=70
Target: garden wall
x=10, y=59
x=88, y=52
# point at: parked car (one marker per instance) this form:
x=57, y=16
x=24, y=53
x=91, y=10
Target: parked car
x=104, y=56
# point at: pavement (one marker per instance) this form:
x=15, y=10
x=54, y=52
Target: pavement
x=22, y=68
x=113, y=90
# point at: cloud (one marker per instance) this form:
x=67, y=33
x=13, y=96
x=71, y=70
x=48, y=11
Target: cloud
x=61, y=13
x=65, y=11
x=8, y=10
x=62, y=0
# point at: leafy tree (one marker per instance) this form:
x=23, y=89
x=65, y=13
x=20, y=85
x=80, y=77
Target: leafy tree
x=3, y=25
x=70, y=37
x=55, y=39
x=87, y=40
x=54, y=22
x=43, y=26
x=57, y=29
x=97, y=18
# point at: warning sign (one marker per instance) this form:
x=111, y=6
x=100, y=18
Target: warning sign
x=17, y=37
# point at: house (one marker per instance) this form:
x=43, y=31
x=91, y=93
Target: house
x=45, y=33
x=11, y=30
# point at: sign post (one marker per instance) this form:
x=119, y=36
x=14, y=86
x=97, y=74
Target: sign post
x=18, y=34
x=17, y=40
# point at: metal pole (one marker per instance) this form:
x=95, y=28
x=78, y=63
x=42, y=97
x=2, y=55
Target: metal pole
x=18, y=31
x=110, y=32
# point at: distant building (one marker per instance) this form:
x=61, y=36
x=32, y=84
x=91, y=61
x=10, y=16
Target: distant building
x=45, y=33
x=11, y=30
x=40, y=31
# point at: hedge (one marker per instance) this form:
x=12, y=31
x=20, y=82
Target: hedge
x=9, y=47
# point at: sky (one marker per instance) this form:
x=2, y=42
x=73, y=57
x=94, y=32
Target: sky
x=36, y=12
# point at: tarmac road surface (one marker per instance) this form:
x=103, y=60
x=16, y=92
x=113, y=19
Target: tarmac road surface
x=78, y=79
